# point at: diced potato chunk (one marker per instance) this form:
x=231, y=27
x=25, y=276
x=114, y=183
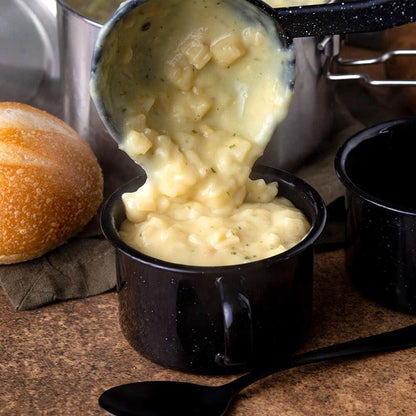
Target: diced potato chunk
x=296, y=228
x=174, y=175
x=180, y=107
x=146, y=103
x=197, y=52
x=138, y=204
x=196, y=161
x=174, y=234
x=137, y=142
x=163, y=203
x=181, y=75
x=164, y=147
x=175, y=178
x=259, y=191
x=191, y=107
x=226, y=50
x=199, y=105
x=156, y=223
x=150, y=133
x=224, y=238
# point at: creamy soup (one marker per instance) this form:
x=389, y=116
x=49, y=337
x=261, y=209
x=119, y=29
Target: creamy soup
x=196, y=96
x=102, y=10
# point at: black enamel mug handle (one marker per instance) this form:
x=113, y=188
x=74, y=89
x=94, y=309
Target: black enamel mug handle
x=237, y=320
x=342, y=18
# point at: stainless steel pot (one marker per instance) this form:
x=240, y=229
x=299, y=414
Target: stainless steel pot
x=29, y=70
x=77, y=35
x=311, y=112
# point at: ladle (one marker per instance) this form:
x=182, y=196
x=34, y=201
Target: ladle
x=341, y=17
x=291, y=22
x=163, y=398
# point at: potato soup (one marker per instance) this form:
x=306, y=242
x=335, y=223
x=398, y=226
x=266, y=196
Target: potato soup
x=196, y=96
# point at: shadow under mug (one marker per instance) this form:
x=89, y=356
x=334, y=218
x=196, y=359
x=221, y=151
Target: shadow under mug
x=378, y=168
x=217, y=319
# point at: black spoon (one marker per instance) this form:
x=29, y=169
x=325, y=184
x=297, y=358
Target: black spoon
x=163, y=398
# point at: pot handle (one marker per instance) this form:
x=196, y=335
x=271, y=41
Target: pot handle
x=333, y=76
x=238, y=324
x=345, y=17
x=331, y=47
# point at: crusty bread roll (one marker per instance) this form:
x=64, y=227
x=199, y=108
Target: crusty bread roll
x=50, y=182
x=402, y=67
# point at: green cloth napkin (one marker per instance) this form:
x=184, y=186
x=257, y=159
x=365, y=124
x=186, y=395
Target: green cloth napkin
x=79, y=268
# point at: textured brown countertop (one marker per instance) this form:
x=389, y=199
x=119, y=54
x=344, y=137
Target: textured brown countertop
x=56, y=360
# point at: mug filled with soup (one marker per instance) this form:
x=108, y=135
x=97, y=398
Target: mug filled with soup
x=214, y=261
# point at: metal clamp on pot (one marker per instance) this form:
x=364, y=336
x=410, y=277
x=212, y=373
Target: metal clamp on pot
x=331, y=47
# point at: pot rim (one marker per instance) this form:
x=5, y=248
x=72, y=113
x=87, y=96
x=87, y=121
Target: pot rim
x=108, y=228
x=368, y=134
x=78, y=14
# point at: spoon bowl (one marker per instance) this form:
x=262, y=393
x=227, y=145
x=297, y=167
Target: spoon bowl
x=163, y=398
x=156, y=398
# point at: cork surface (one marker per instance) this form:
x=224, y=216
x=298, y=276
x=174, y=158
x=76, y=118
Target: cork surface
x=57, y=360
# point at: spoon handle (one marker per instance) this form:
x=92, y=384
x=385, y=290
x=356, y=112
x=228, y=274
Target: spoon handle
x=345, y=17
x=388, y=341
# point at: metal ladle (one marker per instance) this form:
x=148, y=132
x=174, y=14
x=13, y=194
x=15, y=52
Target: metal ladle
x=291, y=22
x=163, y=398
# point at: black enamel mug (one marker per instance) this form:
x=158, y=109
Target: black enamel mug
x=378, y=168
x=217, y=319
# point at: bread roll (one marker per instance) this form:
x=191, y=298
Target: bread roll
x=402, y=67
x=50, y=182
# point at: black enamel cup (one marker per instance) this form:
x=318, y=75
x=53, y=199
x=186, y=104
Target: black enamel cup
x=378, y=168
x=217, y=319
